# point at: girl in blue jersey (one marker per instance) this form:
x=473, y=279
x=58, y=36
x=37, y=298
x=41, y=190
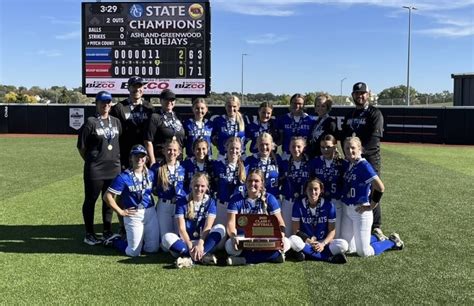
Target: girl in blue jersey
x=195, y=215
x=198, y=127
x=295, y=123
x=254, y=200
x=267, y=161
x=359, y=201
x=168, y=185
x=229, y=177
x=293, y=174
x=198, y=163
x=313, y=227
x=263, y=123
x=134, y=186
x=328, y=169
x=229, y=125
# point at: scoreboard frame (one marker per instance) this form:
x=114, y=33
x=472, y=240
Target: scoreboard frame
x=101, y=62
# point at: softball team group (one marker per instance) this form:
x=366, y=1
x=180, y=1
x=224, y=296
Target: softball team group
x=323, y=200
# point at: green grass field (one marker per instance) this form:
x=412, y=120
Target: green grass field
x=428, y=201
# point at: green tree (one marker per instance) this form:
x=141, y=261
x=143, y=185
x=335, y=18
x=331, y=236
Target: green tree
x=11, y=97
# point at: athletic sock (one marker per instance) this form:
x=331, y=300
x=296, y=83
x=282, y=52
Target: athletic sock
x=312, y=254
x=120, y=245
x=260, y=256
x=179, y=247
x=381, y=246
x=211, y=241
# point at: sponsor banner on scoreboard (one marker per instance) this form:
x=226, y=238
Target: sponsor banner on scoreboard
x=153, y=86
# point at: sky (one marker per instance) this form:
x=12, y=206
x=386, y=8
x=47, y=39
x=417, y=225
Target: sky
x=292, y=46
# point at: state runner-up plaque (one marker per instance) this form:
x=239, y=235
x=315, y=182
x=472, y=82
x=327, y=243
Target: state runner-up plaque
x=261, y=232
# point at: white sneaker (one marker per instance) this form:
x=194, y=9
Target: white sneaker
x=209, y=259
x=236, y=261
x=377, y=232
x=184, y=262
x=398, y=242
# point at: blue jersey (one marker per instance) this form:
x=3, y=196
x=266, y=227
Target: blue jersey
x=201, y=212
x=314, y=222
x=226, y=180
x=270, y=169
x=330, y=173
x=135, y=192
x=294, y=175
x=223, y=129
x=358, y=179
x=257, y=128
x=241, y=204
x=176, y=182
x=290, y=127
x=191, y=167
x=195, y=131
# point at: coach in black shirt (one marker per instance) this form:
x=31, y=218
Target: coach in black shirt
x=366, y=122
x=134, y=114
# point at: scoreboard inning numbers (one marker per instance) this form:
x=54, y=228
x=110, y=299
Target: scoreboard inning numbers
x=166, y=43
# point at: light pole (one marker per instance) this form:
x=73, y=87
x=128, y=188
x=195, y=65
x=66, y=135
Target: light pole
x=409, y=8
x=342, y=81
x=242, y=79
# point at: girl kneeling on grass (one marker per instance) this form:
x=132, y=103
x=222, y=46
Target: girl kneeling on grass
x=255, y=200
x=195, y=215
x=134, y=186
x=313, y=225
x=359, y=201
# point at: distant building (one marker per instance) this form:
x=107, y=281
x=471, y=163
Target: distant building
x=463, y=89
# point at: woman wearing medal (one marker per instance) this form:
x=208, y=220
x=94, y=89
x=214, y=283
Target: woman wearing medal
x=198, y=127
x=324, y=125
x=263, y=124
x=98, y=145
x=295, y=123
x=313, y=227
x=253, y=200
x=199, y=162
x=163, y=127
x=134, y=185
x=198, y=236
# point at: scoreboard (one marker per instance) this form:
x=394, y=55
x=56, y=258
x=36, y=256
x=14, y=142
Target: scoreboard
x=166, y=43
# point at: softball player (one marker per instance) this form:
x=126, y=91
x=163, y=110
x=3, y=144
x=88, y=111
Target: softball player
x=254, y=200
x=323, y=125
x=357, y=215
x=268, y=162
x=229, y=125
x=295, y=123
x=98, y=145
x=313, y=227
x=195, y=215
x=168, y=186
x=198, y=163
x=198, y=127
x=294, y=174
x=134, y=185
x=328, y=169
x=229, y=177
x=263, y=123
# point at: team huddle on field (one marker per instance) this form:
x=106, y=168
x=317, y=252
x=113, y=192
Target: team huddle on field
x=326, y=203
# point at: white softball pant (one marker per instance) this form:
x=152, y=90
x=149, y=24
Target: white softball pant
x=221, y=215
x=170, y=238
x=338, y=206
x=286, y=212
x=336, y=246
x=165, y=212
x=142, y=228
x=358, y=227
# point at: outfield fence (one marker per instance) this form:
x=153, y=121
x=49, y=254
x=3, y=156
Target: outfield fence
x=448, y=125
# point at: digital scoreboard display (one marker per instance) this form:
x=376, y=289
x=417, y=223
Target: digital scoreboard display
x=166, y=43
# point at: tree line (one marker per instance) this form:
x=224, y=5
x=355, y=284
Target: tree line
x=62, y=95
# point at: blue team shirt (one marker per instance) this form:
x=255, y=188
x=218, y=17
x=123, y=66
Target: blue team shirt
x=293, y=178
x=358, y=178
x=176, y=185
x=193, y=132
x=224, y=129
x=191, y=167
x=330, y=176
x=256, y=128
x=290, y=128
x=227, y=180
x=270, y=168
x=314, y=223
x=240, y=204
x=134, y=193
x=202, y=212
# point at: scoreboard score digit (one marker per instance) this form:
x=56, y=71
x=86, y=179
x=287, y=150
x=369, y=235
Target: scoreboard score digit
x=166, y=43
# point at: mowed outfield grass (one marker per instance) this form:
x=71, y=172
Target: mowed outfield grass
x=428, y=201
